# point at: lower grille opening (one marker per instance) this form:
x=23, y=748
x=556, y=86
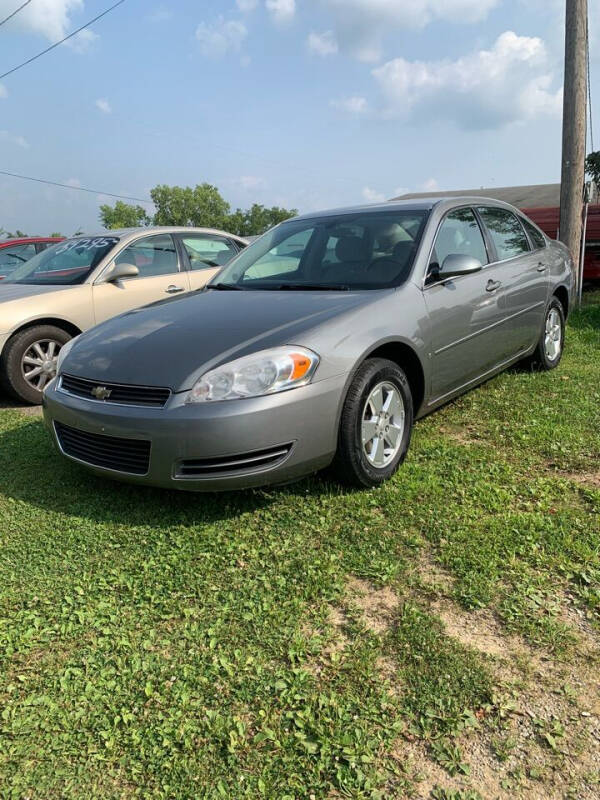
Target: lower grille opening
x=232, y=465
x=131, y=456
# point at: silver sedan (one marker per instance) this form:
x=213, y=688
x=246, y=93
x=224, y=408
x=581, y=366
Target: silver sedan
x=319, y=344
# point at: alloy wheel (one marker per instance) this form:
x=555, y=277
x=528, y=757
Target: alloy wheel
x=553, y=335
x=382, y=424
x=38, y=364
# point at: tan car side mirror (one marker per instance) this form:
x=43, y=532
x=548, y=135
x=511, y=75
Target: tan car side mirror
x=119, y=271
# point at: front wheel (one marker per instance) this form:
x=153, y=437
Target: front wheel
x=549, y=350
x=375, y=425
x=29, y=361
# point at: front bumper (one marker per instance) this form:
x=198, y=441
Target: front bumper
x=305, y=418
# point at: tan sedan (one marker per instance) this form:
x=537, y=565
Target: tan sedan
x=87, y=279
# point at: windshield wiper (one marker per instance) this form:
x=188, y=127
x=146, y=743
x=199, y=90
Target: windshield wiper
x=224, y=287
x=311, y=287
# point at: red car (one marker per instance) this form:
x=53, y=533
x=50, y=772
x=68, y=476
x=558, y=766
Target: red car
x=14, y=252
x=547, y=219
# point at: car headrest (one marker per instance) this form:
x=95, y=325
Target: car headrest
x=351, y=248
x=402, y=251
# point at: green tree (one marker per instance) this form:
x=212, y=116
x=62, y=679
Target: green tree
x=592, y=167
x=16, y=235
x=257, y=219
x=56, y=236
x=123, y=215
x=201, y=207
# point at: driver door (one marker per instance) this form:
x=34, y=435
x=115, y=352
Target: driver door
x=160, y=276
x=464, y=311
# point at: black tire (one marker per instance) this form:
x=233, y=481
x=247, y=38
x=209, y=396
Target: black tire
x=351, y=465
x=540, y=359
x=11, y=370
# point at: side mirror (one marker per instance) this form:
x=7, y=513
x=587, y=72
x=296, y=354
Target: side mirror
x=457, y=264
x=119, y=271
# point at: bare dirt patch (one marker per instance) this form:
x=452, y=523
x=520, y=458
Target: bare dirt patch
x=12, y=405
x=377, y=606
x=589, y=480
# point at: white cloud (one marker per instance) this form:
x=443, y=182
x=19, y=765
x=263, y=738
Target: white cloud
x=246, y=5
x=430, y=185
x=218, y=38
x=511, y=82
x=323, y=44
x=351, y=105
x=281, y=10
x=83, y=41
x=361, y=25
x=103, y=105
x=11, y=138
x=74, y=182
x=400, y=190
x=48, y=18
x=251, y=182
x=3, y=91
x=372, y=195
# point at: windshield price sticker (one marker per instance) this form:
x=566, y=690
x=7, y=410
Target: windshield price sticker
x=88, y=244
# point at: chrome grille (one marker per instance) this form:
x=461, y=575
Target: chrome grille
x=119, y=393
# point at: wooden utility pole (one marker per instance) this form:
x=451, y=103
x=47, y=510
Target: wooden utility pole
x=574, y=128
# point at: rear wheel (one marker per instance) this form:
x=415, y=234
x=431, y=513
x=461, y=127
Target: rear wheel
x=376, y=424
x=549, y=350
x=29, y=361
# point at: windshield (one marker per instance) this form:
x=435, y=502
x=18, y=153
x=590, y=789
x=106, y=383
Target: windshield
x=65, y=263
x=364, y=250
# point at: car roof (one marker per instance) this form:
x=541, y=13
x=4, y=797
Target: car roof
x=29, y=240
x=123, y=232
x=419, y=204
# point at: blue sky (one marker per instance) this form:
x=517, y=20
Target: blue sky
x=302, y=103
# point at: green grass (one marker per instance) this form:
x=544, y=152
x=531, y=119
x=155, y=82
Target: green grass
x=164, y=645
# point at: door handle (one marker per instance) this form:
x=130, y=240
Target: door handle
x=541, y=267
x=172, y=289
x=491, y=285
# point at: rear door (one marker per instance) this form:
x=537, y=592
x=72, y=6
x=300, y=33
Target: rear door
x=205, y=255
x=160, y=276
x=464, y=311
x=523, y=276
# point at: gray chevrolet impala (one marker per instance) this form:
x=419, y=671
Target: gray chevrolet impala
x=319, y=344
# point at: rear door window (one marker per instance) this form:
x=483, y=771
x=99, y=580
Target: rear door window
x=208, y=252
x=506, y=232
x=536, y=237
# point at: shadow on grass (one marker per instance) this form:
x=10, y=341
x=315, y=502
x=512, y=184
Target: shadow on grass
x=33, y=472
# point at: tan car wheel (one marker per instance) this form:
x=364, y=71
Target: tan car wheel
x=29, y=361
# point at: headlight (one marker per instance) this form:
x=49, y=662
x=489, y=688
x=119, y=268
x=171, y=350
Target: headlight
x=63, y=353
x=261, y=373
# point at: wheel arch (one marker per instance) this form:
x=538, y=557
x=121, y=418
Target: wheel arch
x=562, y=295
x=58, y=322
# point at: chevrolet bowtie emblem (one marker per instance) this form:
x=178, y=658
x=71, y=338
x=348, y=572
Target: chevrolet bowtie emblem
x=101, y=392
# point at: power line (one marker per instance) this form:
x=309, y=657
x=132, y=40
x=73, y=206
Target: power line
x=70, y=36
x=10, y=16
x=75, y=188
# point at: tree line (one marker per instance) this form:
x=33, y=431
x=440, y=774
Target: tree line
x=201, y=207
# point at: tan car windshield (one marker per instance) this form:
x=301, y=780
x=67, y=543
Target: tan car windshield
x=65, y=263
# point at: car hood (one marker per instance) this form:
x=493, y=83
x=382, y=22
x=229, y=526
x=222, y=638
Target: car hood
x=171, y=343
